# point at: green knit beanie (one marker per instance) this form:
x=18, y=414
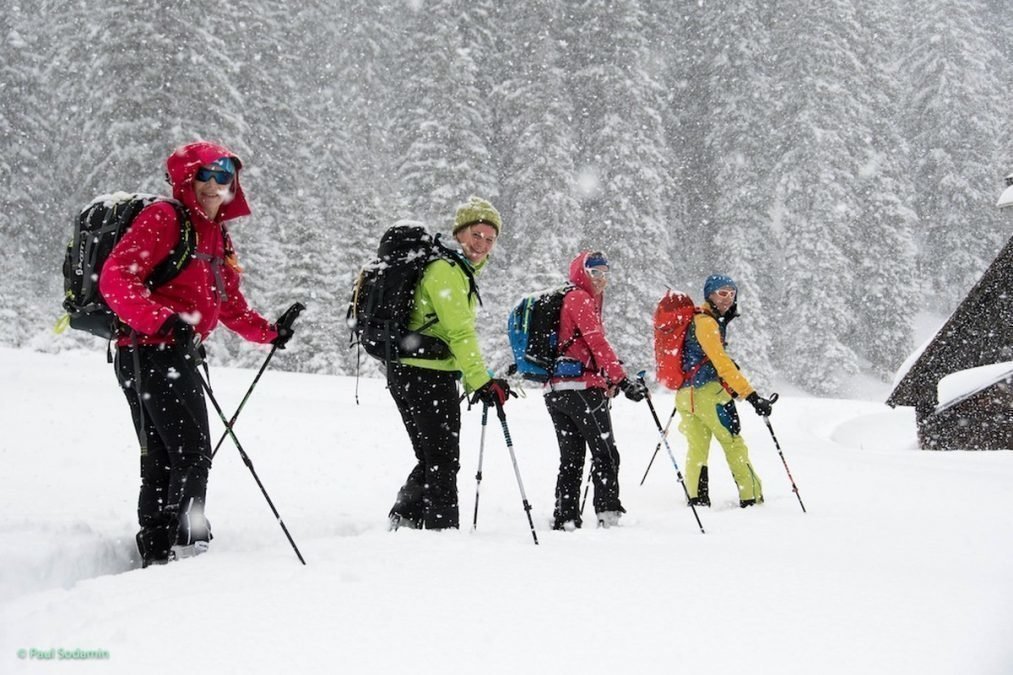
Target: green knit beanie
x=477, y=210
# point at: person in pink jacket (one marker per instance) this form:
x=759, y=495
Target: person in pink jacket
x=580, y=405
x=156, y=356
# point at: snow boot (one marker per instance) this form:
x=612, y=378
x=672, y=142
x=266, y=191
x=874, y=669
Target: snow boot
x=396, y=521
x=565, y=524
x=607, y=519
x=703, y=497
x=154, y=545
x=193, y=532
x=179, y=551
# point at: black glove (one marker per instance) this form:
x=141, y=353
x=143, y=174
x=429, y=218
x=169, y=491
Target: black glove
x=284, y=335
x=635, y=390
x=494, y=392
x=762, y=406
x=284, y=325
x=184, y=337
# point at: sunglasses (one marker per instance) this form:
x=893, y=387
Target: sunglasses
x=598, y=272
x=724, y=293
x=220, y=177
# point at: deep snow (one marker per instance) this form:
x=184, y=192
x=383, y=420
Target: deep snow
x=901, y=565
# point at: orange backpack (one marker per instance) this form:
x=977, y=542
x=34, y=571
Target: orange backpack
x=672, y=317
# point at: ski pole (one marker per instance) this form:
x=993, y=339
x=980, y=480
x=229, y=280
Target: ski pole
x=587, y=486
x=658, y=446
x=478, y=474
x=249, y=464
x=777, y=445
x=671, y=455
x=286, y=320
x=517, y=471
x=232, y=422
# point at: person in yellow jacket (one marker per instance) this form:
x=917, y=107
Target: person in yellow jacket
x=425, y=390
x=705, y=400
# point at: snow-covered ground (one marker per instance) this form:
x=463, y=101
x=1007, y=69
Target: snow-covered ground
x=901, y=565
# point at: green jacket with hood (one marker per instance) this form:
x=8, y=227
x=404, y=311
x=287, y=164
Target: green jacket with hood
x=445, y=292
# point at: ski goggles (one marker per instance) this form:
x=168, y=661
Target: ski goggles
x=221, y=177
x=725, y=293
x=598, y=272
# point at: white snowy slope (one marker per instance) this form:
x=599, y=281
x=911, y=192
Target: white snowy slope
x=901, y=565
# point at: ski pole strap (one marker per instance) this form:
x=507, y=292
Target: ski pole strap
x=502, y=418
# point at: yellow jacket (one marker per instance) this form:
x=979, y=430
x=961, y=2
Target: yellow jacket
x=707, y=339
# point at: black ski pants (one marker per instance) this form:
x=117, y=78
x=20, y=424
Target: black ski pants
x=583, y=420
x=431, y=411
x=176, y=462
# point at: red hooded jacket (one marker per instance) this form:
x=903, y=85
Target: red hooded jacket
x=207, y=289
x=581, y=314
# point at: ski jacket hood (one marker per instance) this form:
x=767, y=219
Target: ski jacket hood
x=181, y=168
x=580, y=325
x=207, y=289
x=581, y=279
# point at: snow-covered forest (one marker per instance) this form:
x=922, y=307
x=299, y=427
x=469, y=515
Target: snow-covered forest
x=840, y=158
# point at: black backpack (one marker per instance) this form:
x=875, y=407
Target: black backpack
x=533, y=330
x=384, y=292
x=97, y=229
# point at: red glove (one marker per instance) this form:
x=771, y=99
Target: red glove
x=494, y=392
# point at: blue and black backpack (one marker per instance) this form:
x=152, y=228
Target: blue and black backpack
x=533, y=329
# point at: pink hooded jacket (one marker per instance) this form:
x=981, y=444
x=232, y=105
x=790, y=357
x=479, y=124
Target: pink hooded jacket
x=207, y=288
x=581, y=314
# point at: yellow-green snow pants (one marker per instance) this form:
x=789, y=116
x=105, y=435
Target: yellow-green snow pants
x=708, y=411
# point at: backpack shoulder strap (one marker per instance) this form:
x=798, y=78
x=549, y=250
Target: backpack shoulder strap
x=443, y=252
x=180, y=254
x=565, y=290
x=704, y=360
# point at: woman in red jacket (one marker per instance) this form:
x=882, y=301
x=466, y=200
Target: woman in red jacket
x=579, y=405
x=156, y=355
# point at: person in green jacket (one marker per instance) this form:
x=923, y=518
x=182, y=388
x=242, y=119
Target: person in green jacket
x=426, y=390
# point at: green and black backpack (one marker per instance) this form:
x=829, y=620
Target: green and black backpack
x=384, y=292
x=97, y=229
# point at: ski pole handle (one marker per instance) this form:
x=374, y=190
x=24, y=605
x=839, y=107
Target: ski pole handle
x=291, y=314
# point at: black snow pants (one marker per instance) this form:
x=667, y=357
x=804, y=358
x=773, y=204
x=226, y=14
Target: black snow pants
x=431, y=412
x=583, y=420
x=175, y=466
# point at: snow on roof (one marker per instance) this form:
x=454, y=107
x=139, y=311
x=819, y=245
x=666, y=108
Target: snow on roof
x=913, y=357
x=963, y=384
x=1006, y=198
x=910, y=361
